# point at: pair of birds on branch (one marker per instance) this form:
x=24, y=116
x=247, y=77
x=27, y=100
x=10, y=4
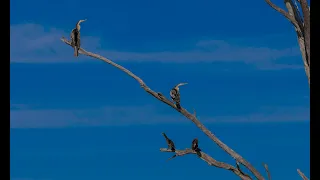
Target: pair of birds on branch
x=75, y=43
x=171, y=146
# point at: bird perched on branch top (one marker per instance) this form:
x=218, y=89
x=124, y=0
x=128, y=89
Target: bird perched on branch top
x=75, y=37
x=169, y=142
x=175, y=94
x=195, y=146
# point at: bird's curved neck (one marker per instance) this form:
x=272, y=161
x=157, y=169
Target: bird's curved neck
x=78, y=26
x=165, y=135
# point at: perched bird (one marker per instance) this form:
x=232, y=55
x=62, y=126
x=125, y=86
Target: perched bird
x=175, y=94
x=75, y=38
x=195, y=146
x=169, y=142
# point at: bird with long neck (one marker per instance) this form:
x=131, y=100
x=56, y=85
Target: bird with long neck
x=175, y=94
x=169, y=142
x=75, y=38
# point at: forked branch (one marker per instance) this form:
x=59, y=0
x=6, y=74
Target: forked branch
x=284, y=13
x=208, y=159
x=301, y=24
x=183, y=111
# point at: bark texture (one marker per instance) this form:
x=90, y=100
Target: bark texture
x=301, y=24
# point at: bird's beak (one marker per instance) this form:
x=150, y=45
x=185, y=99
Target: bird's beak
x=181, y=84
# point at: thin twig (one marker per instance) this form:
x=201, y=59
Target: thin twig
x=183, y=111
x=267, y=170
x=211, y=161
x=302, y=175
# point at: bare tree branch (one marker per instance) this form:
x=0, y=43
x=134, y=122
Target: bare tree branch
x=300, y=35
x=302, y=28
x=284, y=13
x=267, y=170
x=293, y=10
x=306, y=18
x=238, y=167
x=211, y=161
x=183, y=111
x=302, y=175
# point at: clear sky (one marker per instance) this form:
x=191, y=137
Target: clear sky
x=84, y=119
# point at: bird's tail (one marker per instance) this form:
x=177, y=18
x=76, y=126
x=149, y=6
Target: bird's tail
x=178, y=105
x=76, y=53
x=172, y=157
x=198, y=152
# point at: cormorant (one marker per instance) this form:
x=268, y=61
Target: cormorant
x=169, y=142
x=75, y=38
x=195, y=146
x=175, y=94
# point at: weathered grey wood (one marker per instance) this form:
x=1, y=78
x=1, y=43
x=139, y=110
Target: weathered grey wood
x=302, y=28
x=183, y=111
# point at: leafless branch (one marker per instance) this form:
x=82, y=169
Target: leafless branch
x=267, y=170
x=211, y=161
x=284, y=13
x=301, y=25
x=302, y=175
x=293, y=9
x=306, y=18
x=183, y=111
x=238, y=167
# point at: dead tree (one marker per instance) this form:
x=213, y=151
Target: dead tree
x=305, y=49
x=191, y=116
x=301, y=24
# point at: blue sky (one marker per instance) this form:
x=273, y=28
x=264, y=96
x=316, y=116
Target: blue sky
x=240, y=58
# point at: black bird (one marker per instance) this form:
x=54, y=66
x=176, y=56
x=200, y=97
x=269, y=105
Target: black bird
x=175, y=94
x=75, y=38
x=195, y=146
x=169, y=142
